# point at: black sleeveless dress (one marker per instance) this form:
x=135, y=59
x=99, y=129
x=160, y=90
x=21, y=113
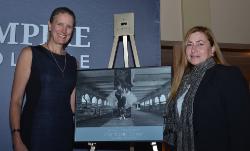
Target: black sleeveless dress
x=47, y=119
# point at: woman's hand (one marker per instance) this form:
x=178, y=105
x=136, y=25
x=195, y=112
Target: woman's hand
x=18, y=143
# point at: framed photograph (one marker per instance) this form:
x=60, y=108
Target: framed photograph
x=125, y=104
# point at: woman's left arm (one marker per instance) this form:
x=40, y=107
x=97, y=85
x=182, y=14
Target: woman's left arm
x=73, y=100
x=73, y=93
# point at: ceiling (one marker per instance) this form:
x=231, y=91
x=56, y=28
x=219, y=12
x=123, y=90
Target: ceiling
x=145, y=81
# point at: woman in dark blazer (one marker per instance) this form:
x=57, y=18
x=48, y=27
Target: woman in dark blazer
x=209, y=102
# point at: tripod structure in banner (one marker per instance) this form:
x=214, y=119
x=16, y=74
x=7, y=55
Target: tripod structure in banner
x=124, y=27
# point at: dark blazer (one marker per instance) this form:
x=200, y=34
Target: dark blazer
x=221, y=115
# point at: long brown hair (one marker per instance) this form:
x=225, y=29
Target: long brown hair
x=182, y=63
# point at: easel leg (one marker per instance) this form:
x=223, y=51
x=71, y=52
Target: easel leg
x=131, y=147
x=112, y=56
x=135, y=54
x=125, y=50
x=92, y=146
x=154, y=146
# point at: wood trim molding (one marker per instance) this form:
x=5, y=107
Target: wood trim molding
x=165, y=43
x=235, y=46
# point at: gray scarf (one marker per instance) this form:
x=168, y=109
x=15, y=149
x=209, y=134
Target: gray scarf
x=179, y=129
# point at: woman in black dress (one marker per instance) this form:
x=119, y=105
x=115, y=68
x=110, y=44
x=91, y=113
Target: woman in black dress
x=46, y=75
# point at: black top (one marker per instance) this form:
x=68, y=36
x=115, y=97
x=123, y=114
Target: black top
x=221, y=115
x=47, y=119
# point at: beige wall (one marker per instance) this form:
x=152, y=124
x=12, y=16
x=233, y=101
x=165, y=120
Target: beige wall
x=171, y=20
x=195, y=12
x=229, y=19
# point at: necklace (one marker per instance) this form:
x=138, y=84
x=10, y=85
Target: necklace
x=56, y=62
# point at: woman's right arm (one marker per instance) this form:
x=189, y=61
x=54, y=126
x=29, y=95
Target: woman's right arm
x=21, y=77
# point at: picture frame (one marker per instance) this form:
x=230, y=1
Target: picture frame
x=123, y=104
